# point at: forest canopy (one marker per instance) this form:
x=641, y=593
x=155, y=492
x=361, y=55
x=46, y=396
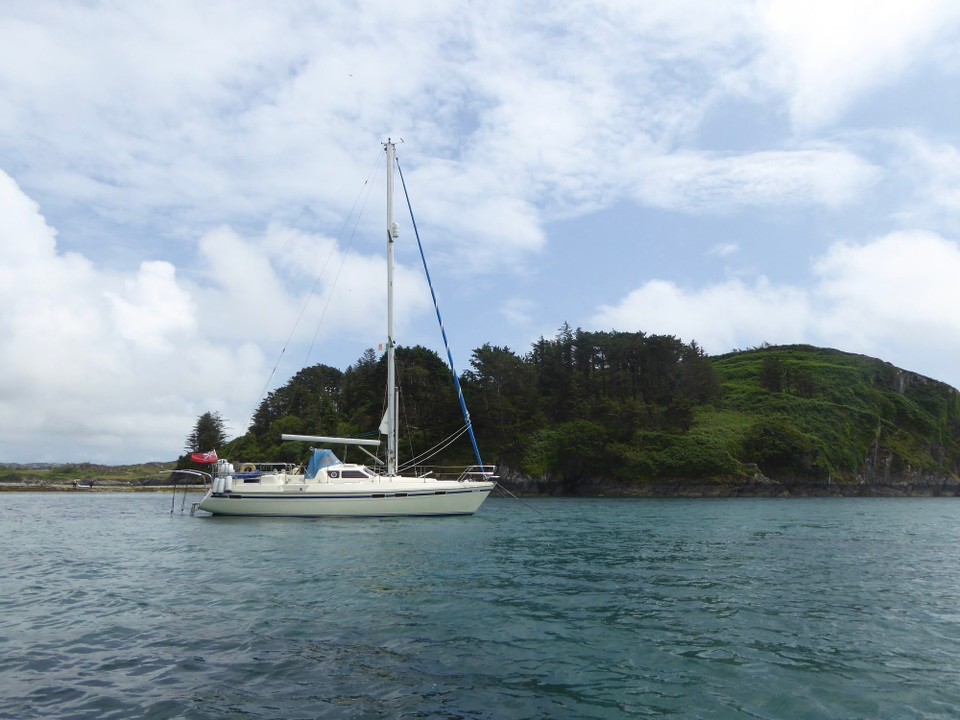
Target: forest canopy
x=631, y=408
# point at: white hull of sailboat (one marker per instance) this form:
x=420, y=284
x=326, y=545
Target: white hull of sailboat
x=350, y=502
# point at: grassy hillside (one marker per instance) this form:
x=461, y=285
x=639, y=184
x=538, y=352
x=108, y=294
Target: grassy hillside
x=118, y=476
x=846, y=407
x=808, y=416
x=785, y=420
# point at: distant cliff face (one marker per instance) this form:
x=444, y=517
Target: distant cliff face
x=905, y=380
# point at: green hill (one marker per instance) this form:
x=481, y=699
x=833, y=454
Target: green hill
x=637, y=414
x=823, y=421
x=58, y=476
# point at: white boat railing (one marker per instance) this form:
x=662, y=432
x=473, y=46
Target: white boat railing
x=479, y=472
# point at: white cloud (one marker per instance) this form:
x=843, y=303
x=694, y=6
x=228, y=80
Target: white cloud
x=718, y=316
x=894, y=297
x=99, y=365
x=899, y=290
x=287, y=285
x=724, y=249
x=931, y=176
x=514, y=117
x=518, y=312
x=152, y=312
x=825, y=55
x=697, y=182
x=471, y=218
x=106, y=365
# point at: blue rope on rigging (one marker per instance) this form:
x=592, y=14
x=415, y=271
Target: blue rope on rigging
x=443, y=332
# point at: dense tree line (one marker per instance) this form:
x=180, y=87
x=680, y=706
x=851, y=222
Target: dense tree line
x=628, y=407
x=554, y=412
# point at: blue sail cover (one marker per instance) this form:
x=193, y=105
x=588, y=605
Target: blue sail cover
x=321, y=459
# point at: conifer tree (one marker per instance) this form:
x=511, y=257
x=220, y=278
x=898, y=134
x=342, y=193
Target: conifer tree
x=208, y=433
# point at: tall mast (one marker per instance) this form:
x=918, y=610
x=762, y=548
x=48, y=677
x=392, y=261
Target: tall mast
x=392, y=233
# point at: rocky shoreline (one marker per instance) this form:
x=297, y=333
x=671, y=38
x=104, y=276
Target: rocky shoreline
x=909, y=484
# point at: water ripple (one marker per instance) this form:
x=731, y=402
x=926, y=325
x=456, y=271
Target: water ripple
x=114, y=608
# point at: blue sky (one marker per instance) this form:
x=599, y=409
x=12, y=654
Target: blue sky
x=175, y=179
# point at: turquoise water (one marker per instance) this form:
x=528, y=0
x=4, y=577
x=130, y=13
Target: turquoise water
x=112, y=607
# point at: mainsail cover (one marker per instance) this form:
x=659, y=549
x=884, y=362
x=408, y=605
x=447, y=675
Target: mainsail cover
x=321, y=459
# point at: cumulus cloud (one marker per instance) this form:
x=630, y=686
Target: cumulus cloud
x=893, y=297
x=107, y=365
x=98, y=364
x=288, y=285
x=718, y=316
x=899, y=290
x=151, y=310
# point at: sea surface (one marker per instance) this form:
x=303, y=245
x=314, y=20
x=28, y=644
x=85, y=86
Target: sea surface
x=112, y=606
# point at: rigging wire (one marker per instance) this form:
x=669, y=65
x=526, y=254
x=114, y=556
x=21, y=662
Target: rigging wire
x=436, y=449
x=362, y=197
x=443, y=332
x=426, y=454
x=367, y=189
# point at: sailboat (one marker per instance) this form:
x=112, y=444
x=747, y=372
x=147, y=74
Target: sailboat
x=330, y=487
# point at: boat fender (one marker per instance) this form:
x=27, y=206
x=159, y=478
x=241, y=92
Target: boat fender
x=248, y=467
x=228, y=484
x=217, y=486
